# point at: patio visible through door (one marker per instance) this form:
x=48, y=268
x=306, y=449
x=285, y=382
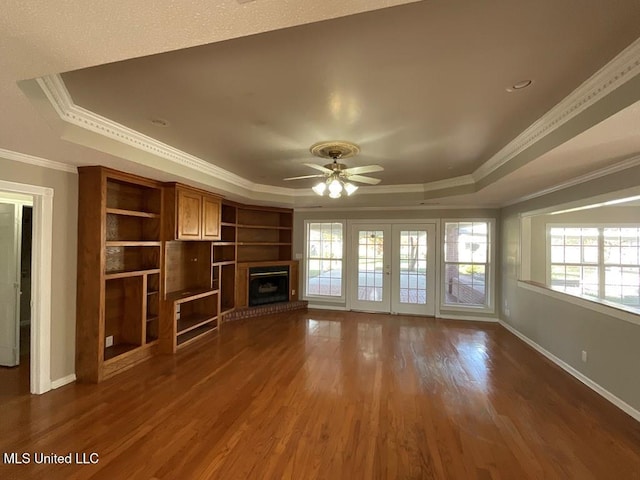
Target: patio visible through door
x=393, y=268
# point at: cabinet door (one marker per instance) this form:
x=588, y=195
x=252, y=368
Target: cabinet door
x=189, y=216
x=210, y=218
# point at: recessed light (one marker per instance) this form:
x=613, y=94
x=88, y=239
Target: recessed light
x=521, y=85
x=159, y=122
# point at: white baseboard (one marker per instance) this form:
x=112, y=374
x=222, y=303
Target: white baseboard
x=60, y=382
x=470, y=318
x=621, y=404
x=319, y=306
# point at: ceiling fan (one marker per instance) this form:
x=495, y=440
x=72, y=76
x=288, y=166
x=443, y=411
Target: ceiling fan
x=337, y=177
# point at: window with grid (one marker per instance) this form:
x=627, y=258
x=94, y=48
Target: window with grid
x=324, y=259
x=597, y=261
x=466, y=263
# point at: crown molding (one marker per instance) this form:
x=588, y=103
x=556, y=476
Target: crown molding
x=39, y=161
x=587, y=177
x=57, y=93
x=618, y=71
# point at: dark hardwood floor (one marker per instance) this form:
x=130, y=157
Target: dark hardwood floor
x=331, y=395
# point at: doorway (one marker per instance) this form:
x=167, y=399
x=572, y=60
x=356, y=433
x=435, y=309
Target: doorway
x=15, y=292
x=393, y=268
x=38, y=369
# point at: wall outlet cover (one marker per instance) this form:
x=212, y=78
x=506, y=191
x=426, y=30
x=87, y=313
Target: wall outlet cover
x=108, y=342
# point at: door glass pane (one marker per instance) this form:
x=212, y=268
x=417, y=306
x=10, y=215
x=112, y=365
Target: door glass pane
x=370, y=265
x=413, y=266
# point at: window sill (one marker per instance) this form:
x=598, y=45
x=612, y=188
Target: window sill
x=628, y=314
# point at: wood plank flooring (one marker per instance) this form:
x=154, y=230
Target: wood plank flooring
x=331, y=395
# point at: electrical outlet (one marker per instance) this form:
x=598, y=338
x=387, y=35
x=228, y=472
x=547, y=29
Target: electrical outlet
x=584, y=356
x=293, y=292
x=298, y=256
x=108, y=342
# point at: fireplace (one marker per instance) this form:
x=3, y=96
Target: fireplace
x=268, y=285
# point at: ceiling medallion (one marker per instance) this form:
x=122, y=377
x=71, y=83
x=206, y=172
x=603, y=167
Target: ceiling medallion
x=334, y=149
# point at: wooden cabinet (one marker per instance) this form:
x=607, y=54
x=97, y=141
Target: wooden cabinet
x=191, y=214
x=159, y=265
x=119, y=269
x=210, y=218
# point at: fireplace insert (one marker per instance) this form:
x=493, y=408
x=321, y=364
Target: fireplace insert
x=268, y=285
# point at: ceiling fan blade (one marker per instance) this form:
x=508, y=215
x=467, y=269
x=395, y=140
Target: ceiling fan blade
x=363, y=169
x=304, y=176
x=318, y=167
x=362, y=179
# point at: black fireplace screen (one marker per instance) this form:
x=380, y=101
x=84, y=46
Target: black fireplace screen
x=268, y=285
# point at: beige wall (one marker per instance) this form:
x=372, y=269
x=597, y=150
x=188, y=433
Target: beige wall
x=63, y=268
x=565, y=329
x=400, y=214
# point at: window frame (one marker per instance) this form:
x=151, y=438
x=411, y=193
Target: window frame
x=601, y=265
x=489, y=306
x=305, y=266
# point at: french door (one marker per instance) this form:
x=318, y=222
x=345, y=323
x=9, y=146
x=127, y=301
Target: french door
x=393, y=268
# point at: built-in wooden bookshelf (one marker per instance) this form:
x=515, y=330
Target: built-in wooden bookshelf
x=264, y=234
x=159, y=265
x=119, y=268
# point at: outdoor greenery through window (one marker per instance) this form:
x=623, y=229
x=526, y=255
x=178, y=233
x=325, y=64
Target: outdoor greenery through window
x=324, y=259
x=596, y=261
x=466, y=262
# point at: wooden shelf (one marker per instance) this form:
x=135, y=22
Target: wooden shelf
x=115, y=351
x=151, y=319
x=154, y=292
x=264, y=227
x=227, y=224
x=132, y=273
x=132, y=213
x=186, y=324
x=187, y=295
x=131, y=243
x=224, y=262
x=224, y=244
x=195, y=334
x=245, y=244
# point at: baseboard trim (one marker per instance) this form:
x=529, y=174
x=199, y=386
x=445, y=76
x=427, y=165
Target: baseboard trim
x=469, y=318
x=319, y=306
x=61, y=382
x=621, y=404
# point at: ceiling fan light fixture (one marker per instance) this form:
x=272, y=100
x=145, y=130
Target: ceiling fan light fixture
x=319, y=188
x=335, y=194
x=350, y=188
x=335, y=187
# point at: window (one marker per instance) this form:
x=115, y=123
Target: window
x=596, y=261
x=324, y=259
x=467, y=247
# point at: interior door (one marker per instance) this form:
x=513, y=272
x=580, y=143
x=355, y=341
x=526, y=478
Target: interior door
x=413, y=269
x=9, y=285
x=371, y=267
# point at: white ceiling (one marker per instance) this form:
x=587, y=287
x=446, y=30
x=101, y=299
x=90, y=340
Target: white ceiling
x=420, y=87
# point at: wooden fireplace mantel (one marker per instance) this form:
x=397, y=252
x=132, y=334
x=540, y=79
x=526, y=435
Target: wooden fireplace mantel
x=242, y=279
